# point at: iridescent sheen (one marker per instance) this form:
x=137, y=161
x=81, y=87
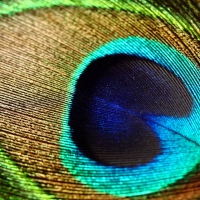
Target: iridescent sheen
x=176, y=134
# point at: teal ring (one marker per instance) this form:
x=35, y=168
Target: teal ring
x=166, y=168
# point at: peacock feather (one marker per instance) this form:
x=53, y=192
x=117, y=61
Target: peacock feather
x=99, y=99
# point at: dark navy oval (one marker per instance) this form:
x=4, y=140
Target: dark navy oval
x=112, y=99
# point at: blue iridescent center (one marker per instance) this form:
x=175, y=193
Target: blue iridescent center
x=110, y=108
x=168, y=113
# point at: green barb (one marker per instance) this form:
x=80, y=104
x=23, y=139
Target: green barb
x=18, y=180
x=143, y=7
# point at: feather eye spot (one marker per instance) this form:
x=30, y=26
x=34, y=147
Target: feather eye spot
x=130, y=129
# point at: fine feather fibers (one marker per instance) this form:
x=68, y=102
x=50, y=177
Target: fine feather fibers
x=42, y=43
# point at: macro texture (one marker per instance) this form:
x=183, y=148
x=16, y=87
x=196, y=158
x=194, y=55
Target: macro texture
x=99, y=100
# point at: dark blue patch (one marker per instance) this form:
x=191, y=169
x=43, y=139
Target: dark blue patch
x=114, y=96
